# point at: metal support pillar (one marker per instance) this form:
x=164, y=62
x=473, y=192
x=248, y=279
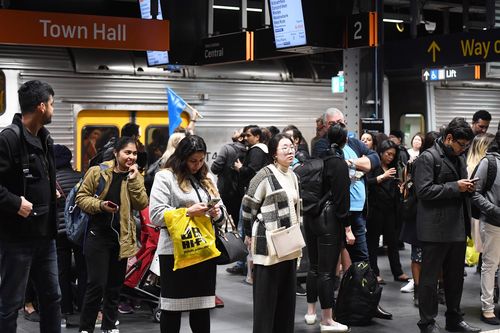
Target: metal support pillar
x=415, y=18
x=210, y=19
x=351, y=84
x=465, y=15
x=266, y=14
x=244, y=15
x=446, y=21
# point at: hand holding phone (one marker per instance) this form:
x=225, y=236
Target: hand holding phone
x=111, y=204
x=474, y=180
x=212, y=202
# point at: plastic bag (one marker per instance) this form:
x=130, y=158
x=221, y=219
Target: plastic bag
x=193, y=238
x=471, y=255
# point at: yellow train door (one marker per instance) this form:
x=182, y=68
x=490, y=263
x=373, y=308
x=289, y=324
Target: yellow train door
x=95, y=128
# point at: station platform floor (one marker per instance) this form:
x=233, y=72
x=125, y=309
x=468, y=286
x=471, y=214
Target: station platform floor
x=236, y=316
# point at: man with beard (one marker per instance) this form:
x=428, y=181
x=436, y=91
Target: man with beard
x=28, y=208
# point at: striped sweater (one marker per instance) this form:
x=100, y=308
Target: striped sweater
x=268, y=206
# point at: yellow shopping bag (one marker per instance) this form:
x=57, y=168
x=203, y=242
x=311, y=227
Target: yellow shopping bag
x=193, y=238
x=471, y=255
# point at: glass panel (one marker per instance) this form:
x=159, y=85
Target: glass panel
x=156, y=142
x=93, y=140
x=411, y=124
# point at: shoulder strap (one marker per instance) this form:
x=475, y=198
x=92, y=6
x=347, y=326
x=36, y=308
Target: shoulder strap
x=438, y=160
x=492, y=172
x=100, y=186
x=14, y=146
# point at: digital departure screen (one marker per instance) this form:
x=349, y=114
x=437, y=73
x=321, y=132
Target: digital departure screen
x=155, y=58
x=288, y=23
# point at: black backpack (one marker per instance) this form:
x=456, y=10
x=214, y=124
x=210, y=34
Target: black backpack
x=310, y=173
x=408, y=195
x=490, y=180
x=359, y=295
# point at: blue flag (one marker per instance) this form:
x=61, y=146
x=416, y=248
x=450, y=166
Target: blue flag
x=175, y=107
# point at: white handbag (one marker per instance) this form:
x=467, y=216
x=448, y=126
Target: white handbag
x=287, y=240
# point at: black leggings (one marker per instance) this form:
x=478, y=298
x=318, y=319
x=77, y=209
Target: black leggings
x=199, y=321
x=324, y=250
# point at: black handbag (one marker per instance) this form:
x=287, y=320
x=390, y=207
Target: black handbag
x=229, y=243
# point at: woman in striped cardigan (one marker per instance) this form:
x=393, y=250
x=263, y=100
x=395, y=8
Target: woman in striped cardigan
x=272, y=201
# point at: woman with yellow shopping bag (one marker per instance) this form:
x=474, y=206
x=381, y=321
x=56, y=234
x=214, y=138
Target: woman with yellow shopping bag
x=183, y=202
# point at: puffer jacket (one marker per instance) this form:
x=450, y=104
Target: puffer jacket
x=132, y=196
x=66, y=179
x=488, y=202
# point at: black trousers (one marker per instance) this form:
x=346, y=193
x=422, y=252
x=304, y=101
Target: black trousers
x=274, y=297
x=199, y=321
x=450, y=258
x=65, y=252
x=105, y=276
x=324, y=250
x=384, y=224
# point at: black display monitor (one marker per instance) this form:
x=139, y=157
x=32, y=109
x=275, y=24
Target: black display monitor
x=288, y=23
x=154, y=58
x=309, y=26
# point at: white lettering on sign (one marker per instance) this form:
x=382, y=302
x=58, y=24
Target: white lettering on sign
x=99, y=31
x=118, y=33
x=451, y=73
x=214, y=53
x=67, y=31
x=472, y=47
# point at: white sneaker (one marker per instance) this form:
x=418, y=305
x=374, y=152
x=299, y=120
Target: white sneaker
x=310, y=319
x=336, y=327
x=409, y=287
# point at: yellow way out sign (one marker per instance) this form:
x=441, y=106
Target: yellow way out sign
x=455, y=49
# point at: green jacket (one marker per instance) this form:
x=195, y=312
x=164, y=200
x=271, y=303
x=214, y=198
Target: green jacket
x=132, y=196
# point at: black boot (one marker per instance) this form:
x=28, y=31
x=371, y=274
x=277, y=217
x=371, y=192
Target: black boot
x=415, y=295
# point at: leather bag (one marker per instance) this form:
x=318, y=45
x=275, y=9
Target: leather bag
x=229, y=243
x=287, y=240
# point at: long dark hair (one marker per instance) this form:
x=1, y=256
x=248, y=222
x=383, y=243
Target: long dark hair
x=386, y=145
x=178, y=164
x=337, y=136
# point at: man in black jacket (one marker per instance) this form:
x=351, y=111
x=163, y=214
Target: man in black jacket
x=443, y=223
x=28, y=208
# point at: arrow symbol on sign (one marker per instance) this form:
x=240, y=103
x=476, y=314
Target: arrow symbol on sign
x=433, y=48
x=426, y=75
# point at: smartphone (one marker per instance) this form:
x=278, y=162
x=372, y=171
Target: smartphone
x=212, y=202
x=111, y=204
x=474, y=180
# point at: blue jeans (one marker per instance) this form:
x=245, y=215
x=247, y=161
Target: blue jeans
x=359, y=250
x=17, y=259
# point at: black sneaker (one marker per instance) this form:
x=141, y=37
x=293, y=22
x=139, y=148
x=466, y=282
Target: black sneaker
x=236, y=270
x=300, y=291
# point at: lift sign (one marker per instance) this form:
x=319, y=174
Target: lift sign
x=463, y=73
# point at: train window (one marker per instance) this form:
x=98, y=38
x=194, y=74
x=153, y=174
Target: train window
x=156, y=141
x=93, y=140
x=411, y=124
x=2, y=93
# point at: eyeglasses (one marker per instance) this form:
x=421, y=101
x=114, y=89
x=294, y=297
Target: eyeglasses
x=462, y=145
x=287, y=149
x=338, y=122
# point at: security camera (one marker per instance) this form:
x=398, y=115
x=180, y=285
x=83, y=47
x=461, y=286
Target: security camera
x=430, y=27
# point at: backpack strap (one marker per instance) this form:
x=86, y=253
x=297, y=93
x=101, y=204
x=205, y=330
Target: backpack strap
x=16, y=146
x=492, y=172
x=438, y=161
x=102, y=183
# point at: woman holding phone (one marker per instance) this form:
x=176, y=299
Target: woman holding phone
x=185, y=183
x=111, y=234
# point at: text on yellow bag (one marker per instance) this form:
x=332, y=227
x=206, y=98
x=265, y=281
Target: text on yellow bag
x=193, y=238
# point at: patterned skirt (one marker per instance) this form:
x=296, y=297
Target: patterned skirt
x=189, y=288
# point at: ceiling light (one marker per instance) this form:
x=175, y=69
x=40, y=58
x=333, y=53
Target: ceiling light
x=388, y=20
x=237, y=8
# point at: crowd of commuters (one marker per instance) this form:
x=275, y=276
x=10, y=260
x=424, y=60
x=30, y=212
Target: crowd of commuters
x=363, y=182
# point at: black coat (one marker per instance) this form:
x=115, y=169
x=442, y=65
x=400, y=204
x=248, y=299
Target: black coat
x=66, y=179
x=40, y=185
x=443, y=212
